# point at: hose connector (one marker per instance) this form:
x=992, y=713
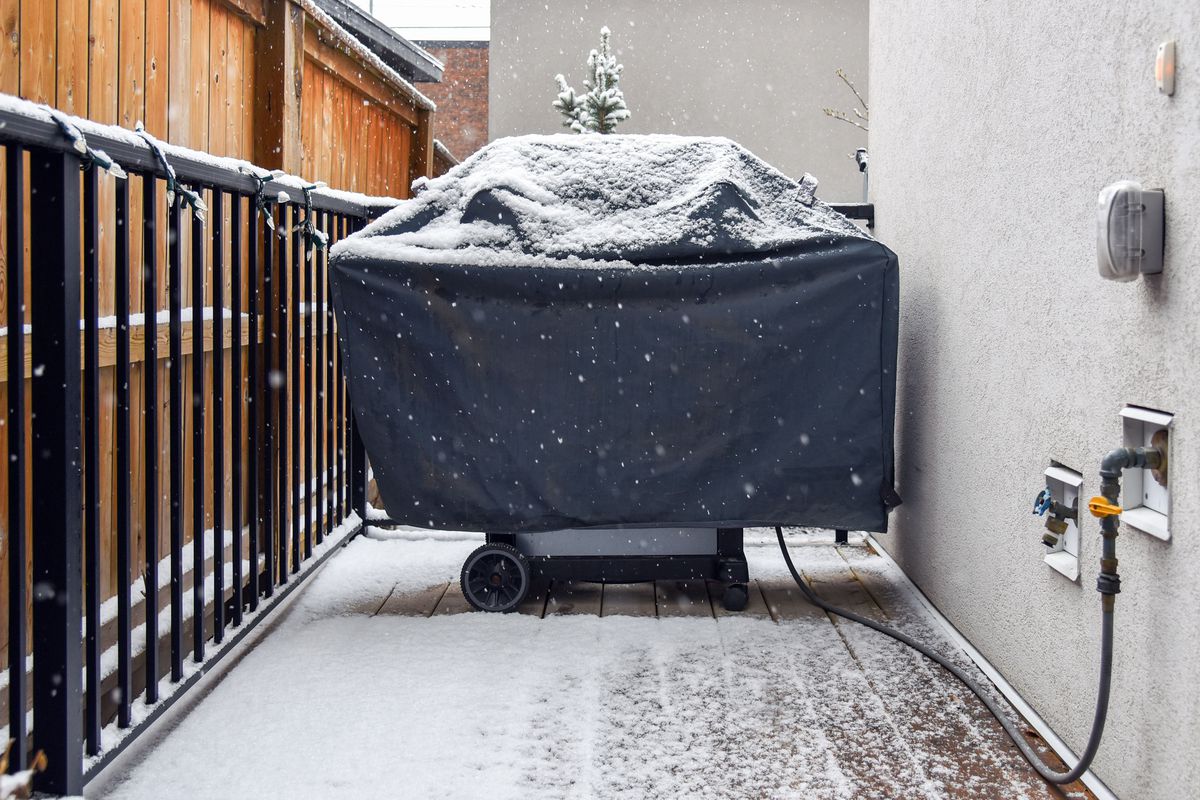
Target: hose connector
x=1108, y=583
x=1123, y=458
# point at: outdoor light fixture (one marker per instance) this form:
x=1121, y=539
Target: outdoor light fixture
x=1129, y=231
x=1164, y=68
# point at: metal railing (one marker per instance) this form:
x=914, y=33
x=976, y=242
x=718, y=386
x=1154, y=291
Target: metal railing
x=285, y=383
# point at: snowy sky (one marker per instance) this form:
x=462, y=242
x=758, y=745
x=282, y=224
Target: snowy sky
x=434, y=19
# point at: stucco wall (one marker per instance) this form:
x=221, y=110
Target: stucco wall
x=993, y=130
x=758, y=72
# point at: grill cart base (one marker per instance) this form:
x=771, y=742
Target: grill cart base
x=497, y=576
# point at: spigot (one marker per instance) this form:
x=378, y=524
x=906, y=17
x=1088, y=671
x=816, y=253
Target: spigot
x=1043, y=501
x=1059, y=514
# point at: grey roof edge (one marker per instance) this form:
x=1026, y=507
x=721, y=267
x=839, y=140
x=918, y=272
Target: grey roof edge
x=402, y=55
x=444, y=151
x=471, y=44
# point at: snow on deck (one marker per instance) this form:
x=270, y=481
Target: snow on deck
x=358, y=693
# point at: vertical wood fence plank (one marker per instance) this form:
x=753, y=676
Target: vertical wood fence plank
x=72, y=43
x=10, y=46
x=180, y=78
x=38, y=53
x=158, y=68
x=131, y=53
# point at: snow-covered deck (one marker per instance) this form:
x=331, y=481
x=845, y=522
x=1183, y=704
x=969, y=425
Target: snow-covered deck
x=378, y=681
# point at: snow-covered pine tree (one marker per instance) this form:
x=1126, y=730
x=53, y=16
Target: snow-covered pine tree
x=604, y=102
x=603, y=106
x=570, y=106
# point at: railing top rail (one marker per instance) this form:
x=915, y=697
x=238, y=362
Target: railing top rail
x=30, y=125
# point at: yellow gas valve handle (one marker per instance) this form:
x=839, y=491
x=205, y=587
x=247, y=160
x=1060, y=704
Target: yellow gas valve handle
x=1102, y=508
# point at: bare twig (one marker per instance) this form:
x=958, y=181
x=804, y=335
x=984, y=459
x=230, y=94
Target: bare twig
x=864, y=115
x=841, y=73
x=841, y=115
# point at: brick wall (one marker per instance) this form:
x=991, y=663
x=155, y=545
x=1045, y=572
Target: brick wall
x=462, y=96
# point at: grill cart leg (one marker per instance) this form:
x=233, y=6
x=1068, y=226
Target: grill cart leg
x=732, y=571
x=841, y=537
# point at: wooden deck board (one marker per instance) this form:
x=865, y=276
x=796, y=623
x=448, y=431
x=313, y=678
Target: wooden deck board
x=629, y=600
x=414, y=604
x=908, y=695
x=534, y=603
x=452, y=602
x=683, y=599
x=786, y=602
x=756, y=605
x=942, y=743
x=568, y=597
x=885, y=597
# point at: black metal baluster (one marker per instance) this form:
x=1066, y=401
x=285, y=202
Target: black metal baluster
x=318, y=410
x=259, y=457
x=308, y=398
x=269, y=386
x=91, y=438
x=297, y=390
x=123, y=468
x=150, y=433
x=57, y=483
x=237, y=395
x=340, y=412
x=330, y=495
x=218, y=437
x=198, y=391
x=175, y=338
x=282, y=394
x=18, y=595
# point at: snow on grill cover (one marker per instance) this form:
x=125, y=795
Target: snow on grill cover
x=584, y=330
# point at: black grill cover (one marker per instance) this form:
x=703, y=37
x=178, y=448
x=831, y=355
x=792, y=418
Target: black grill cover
x=584, y=330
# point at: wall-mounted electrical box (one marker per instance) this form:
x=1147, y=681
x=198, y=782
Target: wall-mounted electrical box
x=1129, y=231
x=1064, y=486
x=1146, y=493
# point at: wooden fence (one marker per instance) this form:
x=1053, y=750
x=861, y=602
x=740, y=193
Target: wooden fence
x=171, y=473
x=274, y=82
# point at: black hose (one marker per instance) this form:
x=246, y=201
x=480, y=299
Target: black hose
x=1106, y=647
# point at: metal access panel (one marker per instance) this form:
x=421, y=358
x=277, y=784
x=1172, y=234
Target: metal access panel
x=619, y=542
